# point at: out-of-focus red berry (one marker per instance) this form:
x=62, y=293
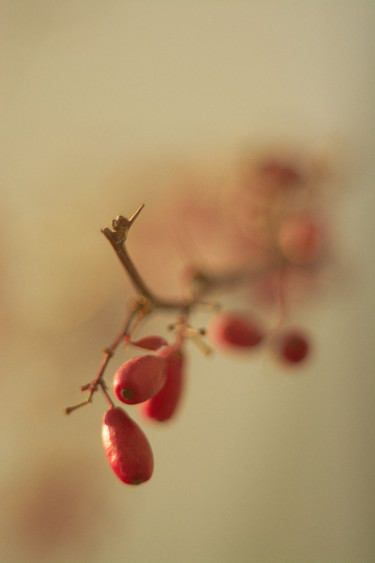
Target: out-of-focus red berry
x=152, y=343
x=230, y=330
x=140, y=378
x=279, y=173
x=163, y=405
x=300, y=239
x=127, y=448
x=293, y=347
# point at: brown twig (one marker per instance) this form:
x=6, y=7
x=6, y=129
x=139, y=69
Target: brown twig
x=117, y=237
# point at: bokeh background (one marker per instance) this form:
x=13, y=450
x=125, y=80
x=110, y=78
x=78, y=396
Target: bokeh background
x=108, y=104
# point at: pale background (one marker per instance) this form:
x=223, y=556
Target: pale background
x=103, y=104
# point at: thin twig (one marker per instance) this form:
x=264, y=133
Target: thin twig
x=136, y=315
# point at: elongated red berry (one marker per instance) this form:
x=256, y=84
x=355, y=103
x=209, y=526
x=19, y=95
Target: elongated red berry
x=127, y=448
x=293, y=347
x=150, y=342
x=163, y=405
x=140, y=378
x=230, y=330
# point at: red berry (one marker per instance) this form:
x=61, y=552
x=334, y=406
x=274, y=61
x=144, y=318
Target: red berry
x=293, y=347
x=140, y=378
x=163, y=405
x=150, y=342
x=127, y=448
x=229, y=330
x=280, y=173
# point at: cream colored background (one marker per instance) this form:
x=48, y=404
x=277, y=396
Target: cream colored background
x=103, y=104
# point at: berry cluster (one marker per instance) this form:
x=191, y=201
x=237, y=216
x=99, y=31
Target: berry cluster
x=233, y=331
x=154, y=382
x=275, y=224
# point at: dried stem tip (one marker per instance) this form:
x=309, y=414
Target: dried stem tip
x=120, y=227
x=135, y=215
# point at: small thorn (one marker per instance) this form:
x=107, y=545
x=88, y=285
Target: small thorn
x=135, y=215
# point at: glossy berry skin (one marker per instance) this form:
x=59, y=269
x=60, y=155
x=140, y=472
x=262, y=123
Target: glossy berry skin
x=231, y=331
x=163, y=406
x=293, y=347
x=140, y=378
x=127, y=448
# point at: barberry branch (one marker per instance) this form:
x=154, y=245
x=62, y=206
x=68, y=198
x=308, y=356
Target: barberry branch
x=200, y=284
x=285, y=239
